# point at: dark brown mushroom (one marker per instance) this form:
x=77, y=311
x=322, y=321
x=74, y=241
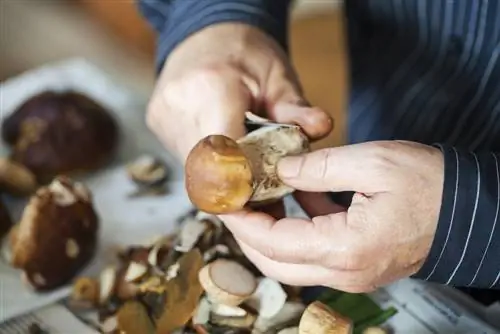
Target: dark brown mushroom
x=57, y=234
x=60, y=133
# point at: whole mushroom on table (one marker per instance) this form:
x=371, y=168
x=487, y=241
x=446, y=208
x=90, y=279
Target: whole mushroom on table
x=55, y=133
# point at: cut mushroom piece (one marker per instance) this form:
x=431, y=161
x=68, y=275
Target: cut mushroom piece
x=228, y=311
x=227, y=282
x=16, y=179
x=107, y=284
x=133, y=318
x=216, y=251
x=223, y=175
x=53, y=240
x=289, y=330
x=109, y=325
x=191, y=230
x=86, y=290
x=147, y=170
x=135, y=271
x=246, y=321
x=183, y=294
x=374, y=330
x=288, y=316
x=320, y=319
x=268, y=299
x=201, y=315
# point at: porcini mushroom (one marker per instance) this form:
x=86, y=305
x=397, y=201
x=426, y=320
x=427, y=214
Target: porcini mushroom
x=223, y=175
x=57, y=234
x=320, y=319
x=227, y=282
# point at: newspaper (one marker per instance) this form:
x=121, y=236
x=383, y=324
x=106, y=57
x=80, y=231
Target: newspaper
x=422, y=308
x=53, y=319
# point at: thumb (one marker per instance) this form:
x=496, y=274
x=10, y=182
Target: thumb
x=285, y=103
x=346, y=168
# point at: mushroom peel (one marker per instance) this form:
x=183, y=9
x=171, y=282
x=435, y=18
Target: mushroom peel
x=223, y=175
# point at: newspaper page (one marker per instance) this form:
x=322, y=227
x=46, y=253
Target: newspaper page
x=53, y=319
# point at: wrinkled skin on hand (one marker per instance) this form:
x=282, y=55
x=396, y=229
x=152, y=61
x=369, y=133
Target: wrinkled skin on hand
x=214, y=76
x=386, y=233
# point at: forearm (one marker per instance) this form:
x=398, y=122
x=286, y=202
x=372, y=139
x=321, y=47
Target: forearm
x=175, y=20
x=466, y=248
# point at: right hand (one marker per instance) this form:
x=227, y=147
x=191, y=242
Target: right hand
x=218, y=73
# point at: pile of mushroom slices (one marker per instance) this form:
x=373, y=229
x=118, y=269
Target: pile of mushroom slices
x=197, y=281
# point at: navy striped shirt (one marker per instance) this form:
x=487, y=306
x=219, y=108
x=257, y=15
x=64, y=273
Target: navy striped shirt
x=421, y=70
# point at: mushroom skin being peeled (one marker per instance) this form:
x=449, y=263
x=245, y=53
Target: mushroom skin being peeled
x=223, y=175
x=56, y=133
x=56, y=236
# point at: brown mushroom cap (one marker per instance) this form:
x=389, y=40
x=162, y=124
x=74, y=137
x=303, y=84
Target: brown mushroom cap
x=55, y=133
x=218, y=175
x=57, y=234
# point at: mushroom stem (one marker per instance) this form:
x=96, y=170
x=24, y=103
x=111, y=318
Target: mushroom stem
x=224, y=175
x=320, y=319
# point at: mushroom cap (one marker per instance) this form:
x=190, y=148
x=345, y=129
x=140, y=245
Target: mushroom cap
x=219, y=177
x=57, y=234
x=55, y=133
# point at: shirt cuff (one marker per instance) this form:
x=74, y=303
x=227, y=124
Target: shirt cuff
x=187, y=17
x=466, y=247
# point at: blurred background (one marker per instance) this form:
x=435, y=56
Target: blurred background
x=113, y=35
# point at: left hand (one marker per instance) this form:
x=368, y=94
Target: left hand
x=385, y=235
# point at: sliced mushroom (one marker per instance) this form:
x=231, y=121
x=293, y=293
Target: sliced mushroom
x=202, y=314
x=374, y=330
x=183, y=293
x=133, y=318
x=227, y=282
x=191, y=231
x=228, y=311
x=289, y=330
x=268, y=299
x=320, y=319
x=288, y=316
x=135, y=271
x=245, y=321
x=86, y=290
x=147, y=170
x=107, y=284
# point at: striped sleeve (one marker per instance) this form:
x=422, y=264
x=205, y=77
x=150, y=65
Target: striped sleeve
x=174, y=20
x=466, y=247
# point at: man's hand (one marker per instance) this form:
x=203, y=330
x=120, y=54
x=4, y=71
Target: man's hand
x=386, y=233
x=214, y=76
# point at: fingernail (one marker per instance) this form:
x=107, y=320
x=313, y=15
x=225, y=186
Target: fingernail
x=289, y=167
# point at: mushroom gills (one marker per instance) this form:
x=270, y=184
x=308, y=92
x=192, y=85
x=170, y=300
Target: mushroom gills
x=263, y=148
